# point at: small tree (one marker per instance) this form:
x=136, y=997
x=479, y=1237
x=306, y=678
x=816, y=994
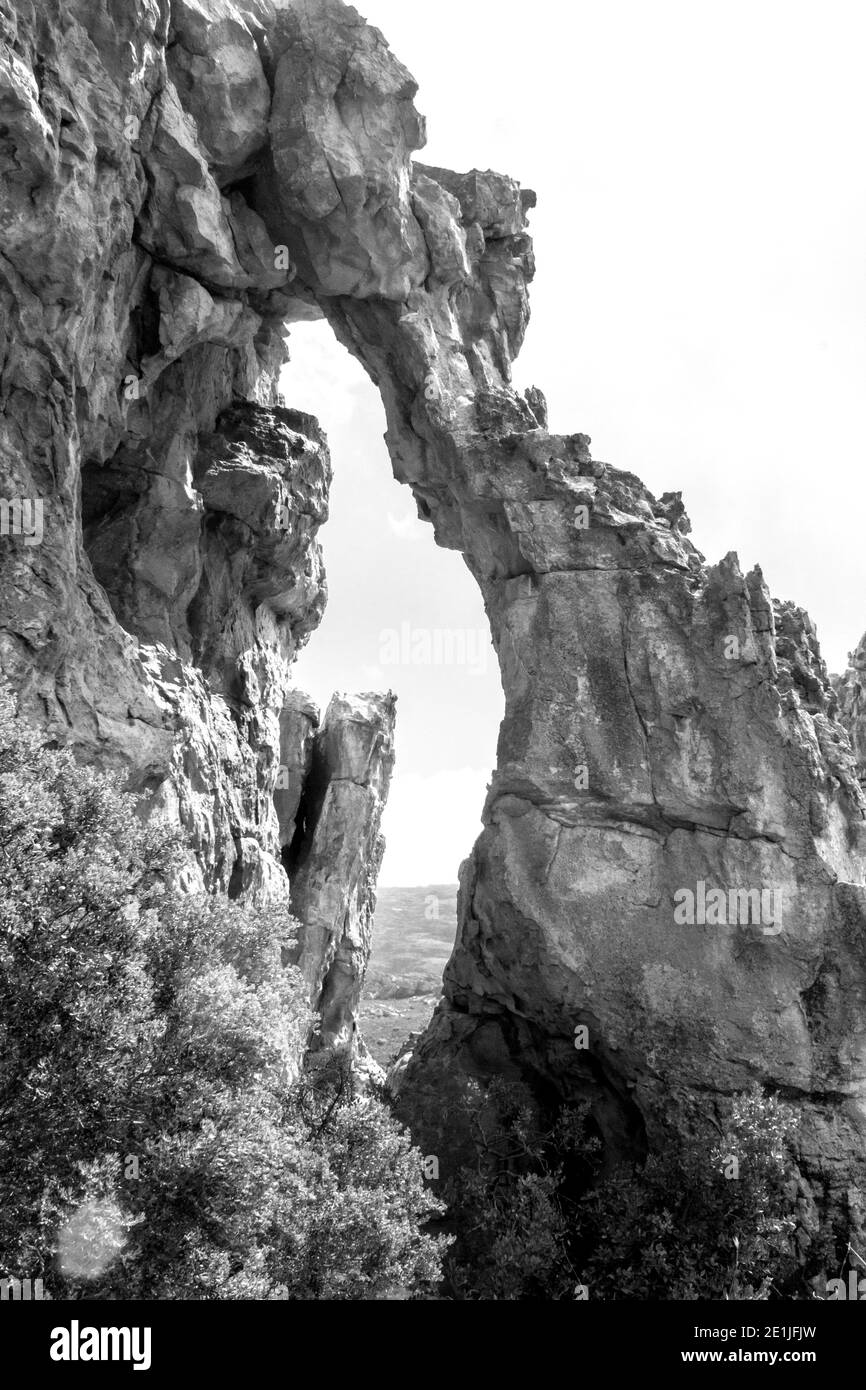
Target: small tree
x=514, y=1208
x=536, y=1218
x=698, y=1221
x=156, y=1138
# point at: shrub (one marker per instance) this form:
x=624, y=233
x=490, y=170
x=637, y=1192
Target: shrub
x=513, y=1208
x=537, y=1218
x=156, y=1138
x=699, y=1220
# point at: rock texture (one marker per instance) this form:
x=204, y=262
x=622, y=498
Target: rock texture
x=143, y=307
x=850, y=691
x=667, y=726
x=334, y=862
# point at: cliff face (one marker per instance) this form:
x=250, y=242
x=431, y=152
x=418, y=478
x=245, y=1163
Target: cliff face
x=142, y=312
x=670, y=750
x=850, y=690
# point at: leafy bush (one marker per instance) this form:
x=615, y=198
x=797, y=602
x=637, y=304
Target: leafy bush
x=156, y=1138
x=512, y=1209
x=538, y=1219
x=699, y=1221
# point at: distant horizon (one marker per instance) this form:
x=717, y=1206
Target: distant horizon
x=433, y=883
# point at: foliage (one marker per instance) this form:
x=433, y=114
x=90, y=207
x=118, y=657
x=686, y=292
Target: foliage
x=512, y=1207
x=539, y=1218
x=699, y=1220
x=156, y=1139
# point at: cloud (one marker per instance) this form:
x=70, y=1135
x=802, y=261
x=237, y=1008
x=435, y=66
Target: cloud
x=430, y=825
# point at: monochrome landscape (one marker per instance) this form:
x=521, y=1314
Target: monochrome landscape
x=615, y=1049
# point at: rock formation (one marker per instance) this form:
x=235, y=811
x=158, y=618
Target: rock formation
x=334, y=861
x=143, y=313
x=179, y=183
x=850, y=690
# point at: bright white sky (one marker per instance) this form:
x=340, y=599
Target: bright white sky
x=699, y=310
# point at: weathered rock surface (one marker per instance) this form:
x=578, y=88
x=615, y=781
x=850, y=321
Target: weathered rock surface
x=299, y=721
x=142, y=312
x=850, y=692
x=334, y=863
x=666, y=725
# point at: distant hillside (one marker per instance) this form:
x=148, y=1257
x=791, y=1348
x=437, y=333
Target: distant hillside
x=413, y=937
x=414, y=930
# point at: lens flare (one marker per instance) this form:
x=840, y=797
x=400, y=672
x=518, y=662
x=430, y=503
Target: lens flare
x=91, y=1239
